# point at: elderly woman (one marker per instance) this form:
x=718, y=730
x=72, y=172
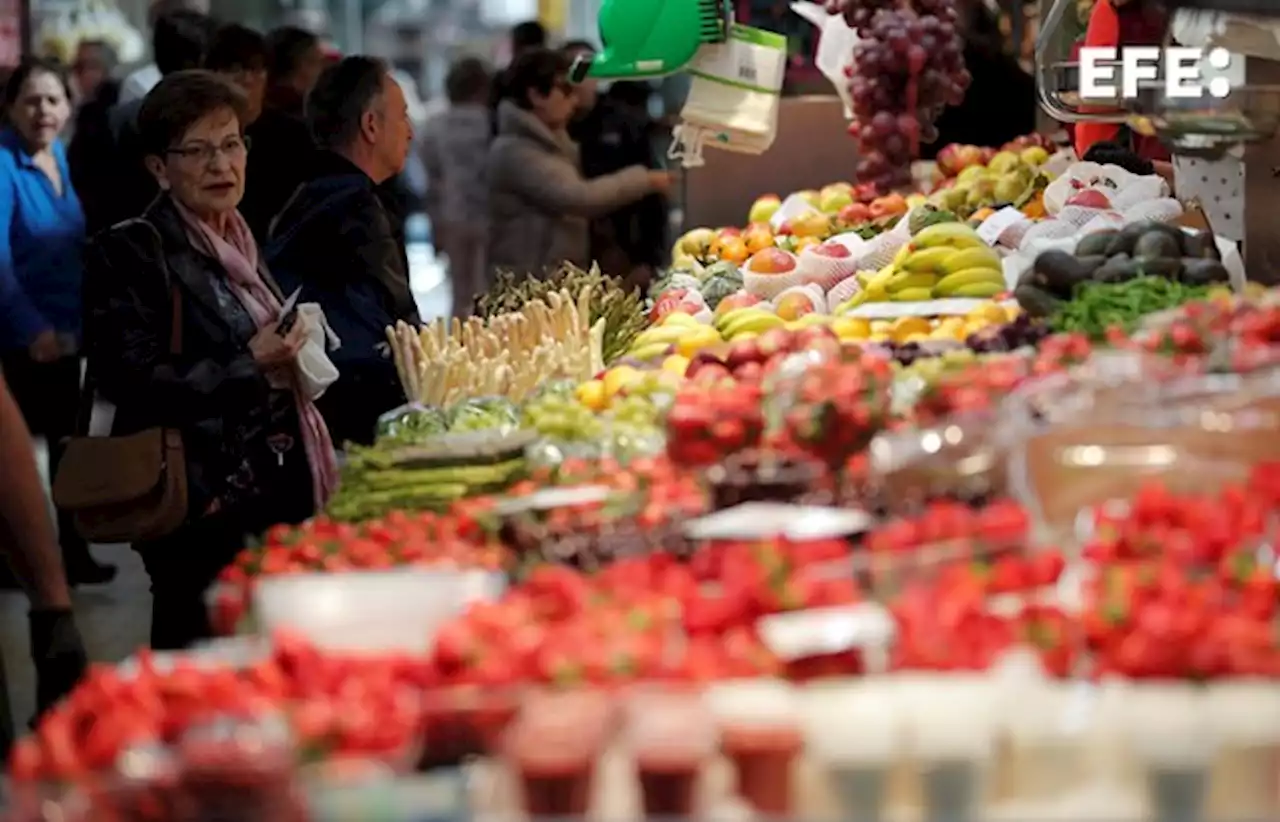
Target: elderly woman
x=184, y=332
x=539, y=202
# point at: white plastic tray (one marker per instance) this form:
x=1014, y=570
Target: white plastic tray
x=371, y=611
x=761, y=520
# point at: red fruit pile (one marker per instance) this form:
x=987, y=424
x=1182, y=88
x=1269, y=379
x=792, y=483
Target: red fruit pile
x=337, y=706
x=455, y=539
x=705, y=424
x=836, y=408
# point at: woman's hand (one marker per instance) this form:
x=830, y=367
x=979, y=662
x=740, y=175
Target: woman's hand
x=271, y=349
x=45, y=347
x=660, y=181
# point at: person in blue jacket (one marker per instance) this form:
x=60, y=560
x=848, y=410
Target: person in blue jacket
x=40, y=270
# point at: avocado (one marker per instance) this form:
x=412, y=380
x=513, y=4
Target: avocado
x=1036, y=301
x=1200, y=244
x=1118, y=269
x=1062, y=270
x=1159, y=267
x=1095, y=243
x=1157, y=245
x=1125, y=239
x=1199, y=271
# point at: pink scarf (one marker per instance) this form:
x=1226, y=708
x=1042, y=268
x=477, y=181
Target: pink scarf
x=238, y=254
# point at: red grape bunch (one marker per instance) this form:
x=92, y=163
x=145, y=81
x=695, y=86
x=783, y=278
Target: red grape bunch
x=907, y=68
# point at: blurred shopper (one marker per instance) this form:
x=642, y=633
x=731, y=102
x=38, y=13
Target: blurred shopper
x=525, y=37
x=539, y=202
x=41, y=270
x=1000, y=104
x=137, y=84
x=455, y=151
x=91, y=152
x=239, y=54
x=183, y=334
x=283, y=150
x=94, y=63
x=28, y=543
x=613, y=135
x=336, y=238
x=180, y=40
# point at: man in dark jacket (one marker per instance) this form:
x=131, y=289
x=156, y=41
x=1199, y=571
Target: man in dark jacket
x=180, y=40
x=336, y=239
x=612, y=135
x=283, y=151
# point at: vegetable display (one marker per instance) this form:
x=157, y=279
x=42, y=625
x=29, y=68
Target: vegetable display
x=1097, y=307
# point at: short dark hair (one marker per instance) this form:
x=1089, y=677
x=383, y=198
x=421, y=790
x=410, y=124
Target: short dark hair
x=468, y=79
x=571, y=46
x=287, y=47
x=178, y=101
x=536, y=70
x=236, y=48
x=28, y=66
x=344, y=92
x=1108, y=153
x=161, y=8
x=528, y=35
x=180, y=40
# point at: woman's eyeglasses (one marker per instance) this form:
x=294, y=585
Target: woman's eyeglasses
x=233, y=147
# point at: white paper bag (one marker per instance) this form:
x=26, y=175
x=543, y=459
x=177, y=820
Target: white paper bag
x=733, y=99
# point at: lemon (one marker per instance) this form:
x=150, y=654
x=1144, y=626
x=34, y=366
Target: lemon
x=616, y=379
x=592, y=394
x=851, y=328
x=676, y=364
x=989, y=312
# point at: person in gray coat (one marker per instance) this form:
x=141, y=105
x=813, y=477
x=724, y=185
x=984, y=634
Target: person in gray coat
x=539, y=202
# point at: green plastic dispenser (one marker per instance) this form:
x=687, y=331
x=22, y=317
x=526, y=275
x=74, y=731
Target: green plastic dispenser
x=651, y=38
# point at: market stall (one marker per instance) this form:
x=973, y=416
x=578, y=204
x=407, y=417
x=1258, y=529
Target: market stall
x=954, y=500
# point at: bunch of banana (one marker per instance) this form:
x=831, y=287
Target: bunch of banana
x=749, y=320
x=679, y=330
x=942, y=260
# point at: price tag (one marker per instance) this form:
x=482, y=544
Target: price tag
x=750, y=59
x=1000, y=222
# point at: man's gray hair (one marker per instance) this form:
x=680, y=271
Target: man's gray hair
x=344, y=92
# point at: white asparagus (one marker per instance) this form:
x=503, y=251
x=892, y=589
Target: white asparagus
x=397, y=357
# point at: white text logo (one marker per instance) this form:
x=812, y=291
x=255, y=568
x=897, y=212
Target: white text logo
x=1142, y=64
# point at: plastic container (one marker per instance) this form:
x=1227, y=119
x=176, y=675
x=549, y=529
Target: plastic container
x=1245, y=778
x=671, y=738
x=1169, y=729
x=952, y=732
x=242, y=770
x=762, y=737
x=370, y=612
x=554, y=745
x=854, y=730
x=1048, y=749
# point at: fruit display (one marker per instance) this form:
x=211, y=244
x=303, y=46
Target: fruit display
x=508, y=355
x=908, y=66
x=613, y=312
x=1033, y=149
x=942, y=260
x=1167, y=264
x=1006, y=178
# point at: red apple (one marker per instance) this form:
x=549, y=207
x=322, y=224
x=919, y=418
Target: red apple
x=701, y=360
x=835, y=250
x=771, y=261
x=748, y=372
x=742, y=352
x=729, y=231
x=1089, y=198
x=710, y=373
x=814, y=335
x=738, y=299
x=854, y=214
x=775, y=341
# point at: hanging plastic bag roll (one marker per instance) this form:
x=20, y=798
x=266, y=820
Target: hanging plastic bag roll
x=733, y=99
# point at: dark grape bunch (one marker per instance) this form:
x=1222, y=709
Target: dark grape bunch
x=908, y=67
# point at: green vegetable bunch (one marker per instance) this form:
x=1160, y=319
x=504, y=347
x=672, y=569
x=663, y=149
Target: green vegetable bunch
x=1095, y=307
x=622, y=311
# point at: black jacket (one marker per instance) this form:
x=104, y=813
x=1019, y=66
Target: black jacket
x=281, y=158
x=132, y=187
x=611, y=138
x=242, y=437
x=92, y=157
x=339, y=242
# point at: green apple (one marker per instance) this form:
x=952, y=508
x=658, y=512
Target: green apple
x=694, y=243
x=834, y=200
x=763, y=209
x=810, y=196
